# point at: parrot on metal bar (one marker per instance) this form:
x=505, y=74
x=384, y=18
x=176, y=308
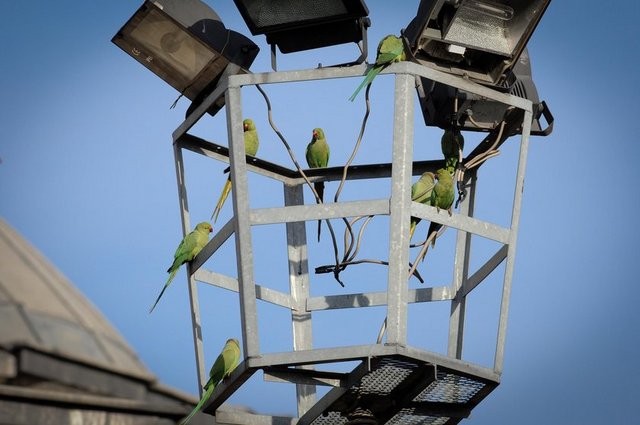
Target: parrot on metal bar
x=225, y=363
x=251, y=144
x=390, y=49
x=441, y=198
x=190, y=246
x=421, y=192
x=318, y=157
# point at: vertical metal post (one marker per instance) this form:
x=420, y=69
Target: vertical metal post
x=460, y=274
x=400, y=210
x=244, y=248
x=193, y=290
x=513, y=235
x=299, y=286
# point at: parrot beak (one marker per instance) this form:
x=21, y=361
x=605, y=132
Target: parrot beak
x=210, y=229
x=246, y=127
x=315, y=134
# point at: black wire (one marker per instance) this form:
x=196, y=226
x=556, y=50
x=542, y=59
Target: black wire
x=304, y=176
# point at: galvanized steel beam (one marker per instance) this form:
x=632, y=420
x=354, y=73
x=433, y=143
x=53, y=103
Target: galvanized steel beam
x=263, y=293
x=244, y=247
x=299, y=286
x=214, y=244
x=196, y=327
x=460, y=222
x=301, y=213
x=375, y=299
x=483, y=272
x=460, y=273
x=400, y=211
x=511, y=253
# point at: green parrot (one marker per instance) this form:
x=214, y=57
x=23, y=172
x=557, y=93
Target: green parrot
x=421, y=192
x=452, y=141
x=251, y=144
x=190, y=246
x=225, y=363
x=390, y=49
x=441, y=197
x=318, y=157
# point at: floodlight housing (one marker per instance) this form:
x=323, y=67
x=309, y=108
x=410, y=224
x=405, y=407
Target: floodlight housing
x=480, y=39
x=296, y=25
x=476, y=113
x=185, y=43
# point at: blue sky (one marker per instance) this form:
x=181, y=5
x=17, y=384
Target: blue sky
x=87, y=176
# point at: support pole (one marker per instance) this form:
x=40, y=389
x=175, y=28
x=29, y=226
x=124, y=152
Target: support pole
x=400, y=210
x=299, y=285
x=193, y=290
x=244, y=248
x=513, y=235
x=460, y=275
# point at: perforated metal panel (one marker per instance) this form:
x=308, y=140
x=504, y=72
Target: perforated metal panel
x=407, y=417
x=450, y=388
x=332, y=418
x=400, y=391
x=386, y=377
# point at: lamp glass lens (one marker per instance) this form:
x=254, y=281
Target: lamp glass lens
x=159, y=37
x=474, y=27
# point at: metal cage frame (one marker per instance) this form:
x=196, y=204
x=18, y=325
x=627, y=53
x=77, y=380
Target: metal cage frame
x=297, y=366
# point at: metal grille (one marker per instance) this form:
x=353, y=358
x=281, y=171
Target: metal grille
x=332, y=418
x=450, y=388
x=406, y=417
x=386, y=377
x=266, y=13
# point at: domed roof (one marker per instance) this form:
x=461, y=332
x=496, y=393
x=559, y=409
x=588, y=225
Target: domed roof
x=40, y=308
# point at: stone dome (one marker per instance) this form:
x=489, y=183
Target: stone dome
x=41, y=309
x=61, y=361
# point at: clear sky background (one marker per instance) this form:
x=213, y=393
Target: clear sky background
x=87, y=176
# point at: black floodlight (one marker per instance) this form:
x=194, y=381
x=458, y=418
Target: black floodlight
x=185, y=43
x=481, y=39
x=476, y=113
x=297, y=25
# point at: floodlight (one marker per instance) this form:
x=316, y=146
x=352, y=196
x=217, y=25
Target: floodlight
x=476, y=113
x=480, y=39
x=297, y=25
x=185, y=43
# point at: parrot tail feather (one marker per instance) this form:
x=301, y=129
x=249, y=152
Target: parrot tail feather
x=319, y=187
x=412, y=227
x=203, y=400
x=223, y=197
x=164, y=288
x=367, y=80
x=434, y=228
